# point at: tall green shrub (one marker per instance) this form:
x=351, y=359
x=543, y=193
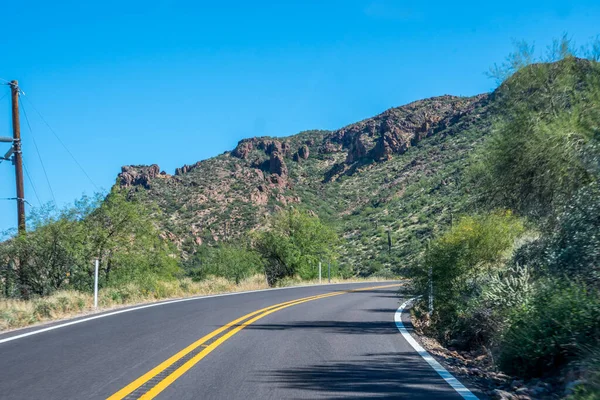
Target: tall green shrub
x=562, y=320
x=460, y=261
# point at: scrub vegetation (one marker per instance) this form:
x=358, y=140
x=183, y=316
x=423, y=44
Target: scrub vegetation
x=517, y=274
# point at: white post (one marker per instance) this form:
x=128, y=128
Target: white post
x=96, y=285
x=329, y=271
x=319, y=272
x=430, y=290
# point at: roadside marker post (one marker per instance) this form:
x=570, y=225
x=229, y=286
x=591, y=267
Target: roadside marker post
x=319, y=272
x=430, y=284
x=430, y=291
x=96, y=284
x=329, y=271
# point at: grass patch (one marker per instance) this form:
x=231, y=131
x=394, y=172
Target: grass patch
x=66, y=304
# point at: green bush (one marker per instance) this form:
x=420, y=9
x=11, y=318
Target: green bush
x=545, y=145
x=531, y=166
x=590, y=367
x=234, y=262
x=573, y=249
x=462, y=260
x=562, y=319
x=294, y=244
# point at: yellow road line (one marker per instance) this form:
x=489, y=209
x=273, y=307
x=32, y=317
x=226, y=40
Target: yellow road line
x=162, y=385
x=171, y=360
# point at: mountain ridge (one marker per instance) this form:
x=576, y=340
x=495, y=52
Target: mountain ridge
x=223, y=197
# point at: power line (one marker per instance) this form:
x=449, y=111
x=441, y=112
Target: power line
x=38, y=153
x=62, y=143
x=32, y=185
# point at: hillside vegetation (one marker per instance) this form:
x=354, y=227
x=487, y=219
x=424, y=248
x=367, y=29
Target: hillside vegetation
x=517, y=274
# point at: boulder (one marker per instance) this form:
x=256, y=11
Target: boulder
x=243, y=148
x=277, y=165
x=303, y=152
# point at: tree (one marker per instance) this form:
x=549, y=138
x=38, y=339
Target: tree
x=59, y=249
x=294, y=244
x=123, y=235
x=233, y=261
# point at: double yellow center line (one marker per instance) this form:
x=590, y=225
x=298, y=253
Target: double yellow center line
x=153, y=382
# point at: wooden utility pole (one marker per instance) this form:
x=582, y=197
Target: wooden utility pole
x=14, y=88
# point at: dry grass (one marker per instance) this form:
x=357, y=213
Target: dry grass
x=65, y=304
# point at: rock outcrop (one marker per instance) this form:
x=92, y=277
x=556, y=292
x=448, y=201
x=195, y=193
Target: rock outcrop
x=138, y=175
x=269, y=146
x=303, y=152
x=243, y=148
x=277, y=165
x=397, y=129
x=186, y=168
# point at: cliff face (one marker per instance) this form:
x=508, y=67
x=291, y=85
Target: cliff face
x=337, y=173
x=396, y=130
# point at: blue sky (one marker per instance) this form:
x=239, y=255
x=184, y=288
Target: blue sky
x=174, y=82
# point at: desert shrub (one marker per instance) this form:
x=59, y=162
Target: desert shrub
x=531, y=166
x=590, y=368
x=573, y=249
x=549, y=332
x=462, y=261
x=509, y=288
x=544, y=145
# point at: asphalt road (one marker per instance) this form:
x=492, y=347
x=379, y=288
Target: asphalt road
x=340, y=346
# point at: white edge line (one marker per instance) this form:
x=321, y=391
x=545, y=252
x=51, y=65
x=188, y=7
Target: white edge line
x=443, y=372
x=79, y=321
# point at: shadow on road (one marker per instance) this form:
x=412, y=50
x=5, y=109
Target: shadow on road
x=383, y=376
x=388, y=311
x=343, y=327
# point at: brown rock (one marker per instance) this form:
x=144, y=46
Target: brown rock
x=243, y=148
x=259, y=196
x=134, y=175
x=397, y=129
x=329, y=148
x=357, y=150
x=303, y=152
x=277, y=165
x=277, y=180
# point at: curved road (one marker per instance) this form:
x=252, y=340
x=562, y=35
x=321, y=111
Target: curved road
x=342, y=343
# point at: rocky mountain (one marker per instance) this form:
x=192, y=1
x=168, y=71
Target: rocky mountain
x=397, y=171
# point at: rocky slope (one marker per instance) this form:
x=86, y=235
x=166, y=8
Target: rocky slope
x=397, y=171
